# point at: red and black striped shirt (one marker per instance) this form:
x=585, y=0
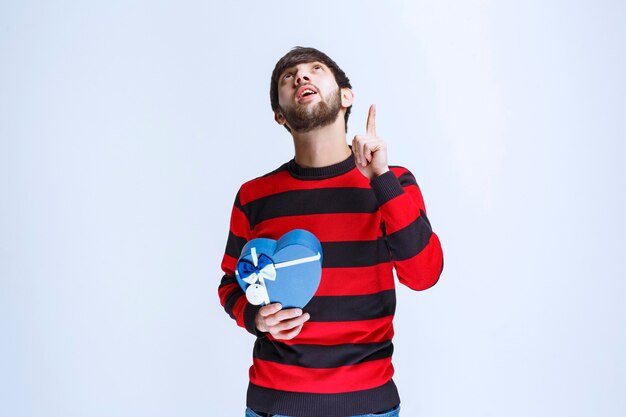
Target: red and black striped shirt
x=340, y=363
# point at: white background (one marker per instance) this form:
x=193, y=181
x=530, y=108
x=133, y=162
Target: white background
x=126, y=129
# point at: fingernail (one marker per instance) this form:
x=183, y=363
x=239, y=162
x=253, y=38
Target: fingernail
x=298, y=312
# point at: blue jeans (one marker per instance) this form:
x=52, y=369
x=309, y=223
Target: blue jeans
x=394, y=412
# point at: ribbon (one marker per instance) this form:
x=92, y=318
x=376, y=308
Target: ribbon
x=299, y=261
x=257, y=271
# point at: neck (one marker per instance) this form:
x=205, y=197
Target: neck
x=323, y=146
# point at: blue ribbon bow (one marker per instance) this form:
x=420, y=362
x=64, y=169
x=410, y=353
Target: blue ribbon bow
x=247, y=269
x=255, y=273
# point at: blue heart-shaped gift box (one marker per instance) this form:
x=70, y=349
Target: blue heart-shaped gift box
x=287, y=270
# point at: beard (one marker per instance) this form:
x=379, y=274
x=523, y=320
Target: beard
x=304, y=118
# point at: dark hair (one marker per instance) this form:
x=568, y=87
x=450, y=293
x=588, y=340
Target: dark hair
x=299, y=55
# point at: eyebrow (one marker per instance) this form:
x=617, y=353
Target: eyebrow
x=291, y=68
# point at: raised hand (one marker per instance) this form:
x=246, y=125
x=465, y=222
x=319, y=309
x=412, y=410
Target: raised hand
x=370, y=151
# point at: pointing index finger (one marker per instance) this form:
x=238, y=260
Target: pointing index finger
x=370, y=127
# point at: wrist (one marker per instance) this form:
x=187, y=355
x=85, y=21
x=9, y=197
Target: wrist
x=378, y=173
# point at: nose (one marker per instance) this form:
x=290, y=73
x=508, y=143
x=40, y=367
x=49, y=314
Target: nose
x=301, y=77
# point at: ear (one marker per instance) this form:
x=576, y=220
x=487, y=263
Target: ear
x=280, y=119
x=347, y=97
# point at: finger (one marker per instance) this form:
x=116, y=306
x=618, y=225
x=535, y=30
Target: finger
x=358, y=148
x=288, y=335
x=287, y=314
x=374, y=146
x=270, y=309
x=290, y=324
x=370, y=127
x=366, y=153
x=355, y=150
x=282, y=315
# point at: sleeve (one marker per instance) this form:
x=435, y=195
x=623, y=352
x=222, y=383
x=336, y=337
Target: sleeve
x=415, y=249
x=232, y=297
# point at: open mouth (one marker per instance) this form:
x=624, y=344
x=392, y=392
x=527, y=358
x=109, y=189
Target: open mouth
x=305, y=91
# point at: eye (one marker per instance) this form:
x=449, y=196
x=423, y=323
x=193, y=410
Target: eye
x=317, y=66
x=287, y=76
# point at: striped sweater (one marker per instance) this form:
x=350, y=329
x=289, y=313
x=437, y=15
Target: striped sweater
x=340, y=363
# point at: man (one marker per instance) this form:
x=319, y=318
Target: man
x=334, y=358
